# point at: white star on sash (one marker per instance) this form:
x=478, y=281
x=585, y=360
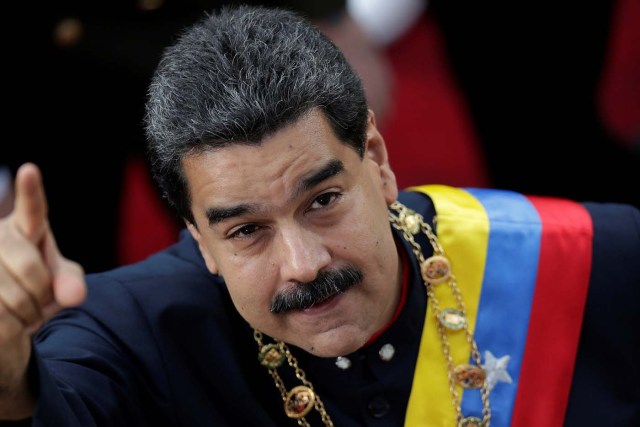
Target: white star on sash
x=496, y=369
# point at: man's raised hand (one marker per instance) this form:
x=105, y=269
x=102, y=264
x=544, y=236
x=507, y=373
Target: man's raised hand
x=36, y=281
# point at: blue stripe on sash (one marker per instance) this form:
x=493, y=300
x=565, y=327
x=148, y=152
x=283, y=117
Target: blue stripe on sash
x=507, y=293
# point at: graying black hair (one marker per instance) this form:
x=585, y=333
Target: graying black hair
x=237, y=76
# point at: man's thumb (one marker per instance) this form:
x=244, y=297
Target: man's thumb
x=69, y=288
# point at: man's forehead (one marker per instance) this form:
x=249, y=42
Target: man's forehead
x=310, y=139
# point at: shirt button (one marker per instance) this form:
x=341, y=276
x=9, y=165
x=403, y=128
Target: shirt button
x=387, y=352
x=343, y=362
x=379, y=407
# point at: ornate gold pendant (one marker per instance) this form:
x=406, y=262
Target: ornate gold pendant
x=435, y=269
x=299, y=401
x=271, y=356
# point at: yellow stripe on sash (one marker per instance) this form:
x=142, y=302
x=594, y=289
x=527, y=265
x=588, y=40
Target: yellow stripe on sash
x=463, y=231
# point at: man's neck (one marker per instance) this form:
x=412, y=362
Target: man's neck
x=403, y=284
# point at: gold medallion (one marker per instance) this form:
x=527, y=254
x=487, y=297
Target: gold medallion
x=271, y=356
x=299, y=401
x=452, y=319
x=411, y=221
x=435, y=269
x=471, y=422
x=469, y=376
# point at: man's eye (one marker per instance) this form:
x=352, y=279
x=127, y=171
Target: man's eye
x=244, y=231
x=324, y=200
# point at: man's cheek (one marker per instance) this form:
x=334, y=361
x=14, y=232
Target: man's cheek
x=248, y=301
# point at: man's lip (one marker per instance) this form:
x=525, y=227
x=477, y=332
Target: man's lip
x=323, y=306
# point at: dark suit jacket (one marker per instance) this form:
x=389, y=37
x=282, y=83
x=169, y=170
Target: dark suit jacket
x=160, y=343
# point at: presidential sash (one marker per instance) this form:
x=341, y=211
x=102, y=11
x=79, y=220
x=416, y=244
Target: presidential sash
x=522, y=265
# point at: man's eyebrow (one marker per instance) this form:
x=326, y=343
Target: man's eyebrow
x=217, y=215
x=333, y=168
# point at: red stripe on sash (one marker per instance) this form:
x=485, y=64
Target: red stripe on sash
x=557, y=312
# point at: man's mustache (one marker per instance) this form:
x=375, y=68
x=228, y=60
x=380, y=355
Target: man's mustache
x=327, y=284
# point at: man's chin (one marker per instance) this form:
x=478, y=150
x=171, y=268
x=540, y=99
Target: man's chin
x=332, y=343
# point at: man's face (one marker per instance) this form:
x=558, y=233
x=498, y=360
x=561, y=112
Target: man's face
x=272, y=217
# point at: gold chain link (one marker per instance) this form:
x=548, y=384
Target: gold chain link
x=398, y=223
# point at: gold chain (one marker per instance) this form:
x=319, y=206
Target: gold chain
x=409, y=223
x=301, y=399
x=282, y=350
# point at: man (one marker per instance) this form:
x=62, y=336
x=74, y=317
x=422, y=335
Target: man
x=299, y=292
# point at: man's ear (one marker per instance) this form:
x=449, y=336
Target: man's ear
x=208, y=259
x=376, y=151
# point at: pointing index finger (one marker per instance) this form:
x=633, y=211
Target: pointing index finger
x=30, y=214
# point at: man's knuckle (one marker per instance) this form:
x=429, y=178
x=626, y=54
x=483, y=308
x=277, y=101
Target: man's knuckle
x=44, y=295
x=8, y=329
x=23, y=306
x=4, y=234
x=30, y=268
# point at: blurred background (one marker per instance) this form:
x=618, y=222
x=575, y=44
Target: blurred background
x=537, y=98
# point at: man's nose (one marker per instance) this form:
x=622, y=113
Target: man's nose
x=302, y=253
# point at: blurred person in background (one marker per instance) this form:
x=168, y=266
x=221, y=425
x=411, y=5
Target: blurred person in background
x=553, y=92
x=456, y=100
x=85, y=68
